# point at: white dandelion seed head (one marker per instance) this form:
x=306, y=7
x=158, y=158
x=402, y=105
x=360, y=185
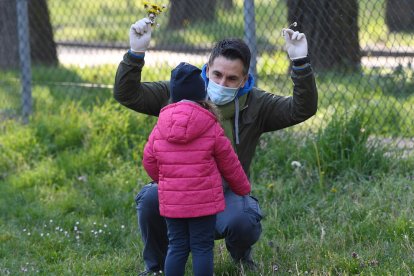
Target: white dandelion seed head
x=296, y=164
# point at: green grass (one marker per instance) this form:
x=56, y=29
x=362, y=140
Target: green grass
x=69, y=177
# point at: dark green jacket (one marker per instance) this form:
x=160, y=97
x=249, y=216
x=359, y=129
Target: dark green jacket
x=262, y=112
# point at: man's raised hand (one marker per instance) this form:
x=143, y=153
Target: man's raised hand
x=140, y=35
x=296, y=44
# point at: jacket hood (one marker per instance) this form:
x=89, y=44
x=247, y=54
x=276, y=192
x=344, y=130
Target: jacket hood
x=244, y=90
x=184, y=121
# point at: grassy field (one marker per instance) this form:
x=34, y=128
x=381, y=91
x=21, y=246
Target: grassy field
x=68, y=181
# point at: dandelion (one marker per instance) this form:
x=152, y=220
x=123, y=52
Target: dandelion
x=77, y=237
x=75, y=228
x=122, y=226
x=24, y=230
x=94, y=223
x=41, y=234
x=100, y=231
x=296, y=165
x=373, y=263
x=29, y=234
x=47, y=234
x=51, y=221
x=77, y=223
x=105, y=225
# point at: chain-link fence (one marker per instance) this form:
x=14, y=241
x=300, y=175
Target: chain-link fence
x=362, y=51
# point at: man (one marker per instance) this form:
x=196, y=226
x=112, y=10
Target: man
x=246, y=111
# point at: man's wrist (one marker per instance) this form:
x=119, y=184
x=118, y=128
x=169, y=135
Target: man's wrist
x=136, y=55
x=300, y=62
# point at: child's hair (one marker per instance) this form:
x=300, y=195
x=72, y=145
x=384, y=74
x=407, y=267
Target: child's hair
x=210, y=106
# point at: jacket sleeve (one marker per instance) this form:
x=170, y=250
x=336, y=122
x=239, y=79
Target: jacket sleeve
x=149, y=161
x=143, y=97
x=229, y=165
x=277, y=112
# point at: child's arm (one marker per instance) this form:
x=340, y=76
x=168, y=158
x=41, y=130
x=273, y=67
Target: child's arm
x=149, y=161
x=229, y=165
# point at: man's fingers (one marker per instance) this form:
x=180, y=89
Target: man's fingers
x=301, y=36
x=287, y=32
x=295, y=35
x=292, y=35
x=142, y=26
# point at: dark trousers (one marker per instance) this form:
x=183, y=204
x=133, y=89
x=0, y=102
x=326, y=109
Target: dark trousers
x=190, y=234
x=239, y=224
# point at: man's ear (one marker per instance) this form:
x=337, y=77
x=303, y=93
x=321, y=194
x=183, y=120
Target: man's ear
x=207, y=69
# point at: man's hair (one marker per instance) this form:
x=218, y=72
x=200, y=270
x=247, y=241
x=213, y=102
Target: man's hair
x=232, y=48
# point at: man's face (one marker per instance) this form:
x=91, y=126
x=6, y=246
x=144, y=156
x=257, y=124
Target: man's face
x=227, y=72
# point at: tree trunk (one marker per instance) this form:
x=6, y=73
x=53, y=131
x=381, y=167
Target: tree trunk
x=227, y=4
x=9, y=57
x=399, y=15
x=186, y=12
x=331, y=28
x=42, y=46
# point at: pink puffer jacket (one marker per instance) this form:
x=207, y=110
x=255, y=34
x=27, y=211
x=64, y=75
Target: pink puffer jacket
x=187, y=153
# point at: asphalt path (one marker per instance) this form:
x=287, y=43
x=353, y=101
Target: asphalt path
x=81, y=56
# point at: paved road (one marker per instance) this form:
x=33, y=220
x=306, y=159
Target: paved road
x=95, y=56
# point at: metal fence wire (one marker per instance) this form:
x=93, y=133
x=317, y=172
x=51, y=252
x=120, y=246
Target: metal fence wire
x=362, y=51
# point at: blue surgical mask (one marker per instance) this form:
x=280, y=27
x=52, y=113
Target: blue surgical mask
x=221, y=95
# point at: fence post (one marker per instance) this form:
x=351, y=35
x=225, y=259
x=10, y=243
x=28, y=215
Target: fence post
x=24, y=55
x=250, y=34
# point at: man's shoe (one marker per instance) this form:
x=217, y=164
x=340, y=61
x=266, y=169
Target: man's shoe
x=149, y=272
x=249, y=264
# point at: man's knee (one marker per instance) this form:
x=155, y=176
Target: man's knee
x=147, y=200
x=245, y=229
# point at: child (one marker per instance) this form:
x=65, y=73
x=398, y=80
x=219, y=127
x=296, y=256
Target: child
x=187, y=153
